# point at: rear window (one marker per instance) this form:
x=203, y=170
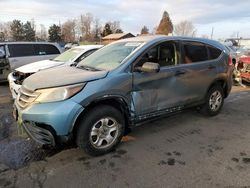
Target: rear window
x=20, y=50
x=45, y=49
x=194, y=52
x=214, y=52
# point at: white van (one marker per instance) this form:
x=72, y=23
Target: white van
x=17, y=54
x=21, y=53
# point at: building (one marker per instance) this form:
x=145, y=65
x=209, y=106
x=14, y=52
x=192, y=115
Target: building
x=116, y=36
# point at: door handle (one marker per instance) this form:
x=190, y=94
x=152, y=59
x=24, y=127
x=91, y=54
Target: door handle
x=180, y=72
x=211, y=67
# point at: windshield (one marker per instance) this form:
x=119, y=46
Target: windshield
x=69, y=55
x=110, y=56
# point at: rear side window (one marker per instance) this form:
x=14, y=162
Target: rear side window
x=45, y=49
x=214, y=52
x=20, y=50
x=194, y=52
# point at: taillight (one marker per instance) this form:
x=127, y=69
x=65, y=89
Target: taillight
x=230, y=61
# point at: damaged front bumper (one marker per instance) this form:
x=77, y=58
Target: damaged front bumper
x=49, y=123
x=14, y=88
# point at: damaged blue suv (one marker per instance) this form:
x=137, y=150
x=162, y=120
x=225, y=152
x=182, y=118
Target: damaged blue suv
x=120, y=86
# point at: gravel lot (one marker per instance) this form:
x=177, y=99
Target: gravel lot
x=185, y=150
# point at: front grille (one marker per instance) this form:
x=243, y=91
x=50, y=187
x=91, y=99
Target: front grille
x=26, y=97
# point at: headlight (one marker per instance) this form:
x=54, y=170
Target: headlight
x=58, y=93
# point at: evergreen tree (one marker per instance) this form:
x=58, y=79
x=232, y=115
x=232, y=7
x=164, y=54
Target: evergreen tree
x=166, y=26
x=55, y=33
x=29, y=32
x=106, y=31
x=119, y=31
x=144, y=30
x=16, y=28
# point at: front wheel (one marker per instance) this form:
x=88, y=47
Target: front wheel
x=101, y=130
x=214, y=101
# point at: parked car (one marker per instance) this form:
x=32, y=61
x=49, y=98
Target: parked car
x=69, y=57
x=233, y=53
x=16, y=54
x=120, y=86
x=244, y=68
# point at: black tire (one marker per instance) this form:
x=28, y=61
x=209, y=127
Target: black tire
x=91, y=119
x=206, y=108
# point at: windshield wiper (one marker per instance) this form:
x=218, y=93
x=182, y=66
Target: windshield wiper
x=89, y=68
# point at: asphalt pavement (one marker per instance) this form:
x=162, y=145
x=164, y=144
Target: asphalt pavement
x=184, y=150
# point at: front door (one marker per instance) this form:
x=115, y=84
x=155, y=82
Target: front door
x=162, y=91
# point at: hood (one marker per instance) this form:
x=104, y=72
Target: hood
x=61, y=76
x=39, y=65
x=245, y=59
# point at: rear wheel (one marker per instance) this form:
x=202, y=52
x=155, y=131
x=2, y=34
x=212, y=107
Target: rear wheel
x=101, y=130
x=214, y=101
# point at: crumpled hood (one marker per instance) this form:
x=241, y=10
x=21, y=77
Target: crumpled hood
x=39, y=65
x=61, y=76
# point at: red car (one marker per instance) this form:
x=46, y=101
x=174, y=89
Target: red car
x=244, y=68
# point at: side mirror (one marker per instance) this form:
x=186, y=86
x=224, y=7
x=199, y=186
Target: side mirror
x=150, y=67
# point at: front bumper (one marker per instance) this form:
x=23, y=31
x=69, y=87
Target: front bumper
x=48, y=121
x=39, y=134
x=14, y=88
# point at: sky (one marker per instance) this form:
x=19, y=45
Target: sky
x=227, y=17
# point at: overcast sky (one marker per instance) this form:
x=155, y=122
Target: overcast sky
x=226, y=16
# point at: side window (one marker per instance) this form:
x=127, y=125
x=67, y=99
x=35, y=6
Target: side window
x=51, y=49
x=45, y=49
x=39, y=50
x=194, y=52
x=165, y=54
x=214, y=52
x=2, y=51
x=20, y=50
x=169, y=54
x=83, y=56
x=150, y=56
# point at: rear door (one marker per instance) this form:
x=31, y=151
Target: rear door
x=199, y=70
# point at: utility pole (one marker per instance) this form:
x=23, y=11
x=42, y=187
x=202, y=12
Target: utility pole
x=237, y=35
x=212, y=33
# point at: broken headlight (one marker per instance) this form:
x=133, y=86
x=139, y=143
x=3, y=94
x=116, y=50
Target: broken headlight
x=58, y=93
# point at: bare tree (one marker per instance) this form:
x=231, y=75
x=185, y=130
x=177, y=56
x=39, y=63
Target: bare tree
x=5, y=31
x=69, y=31
x=115, y=26
x=33, y=24
x=185, y=28
x=85, y=24
x=96, y=32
